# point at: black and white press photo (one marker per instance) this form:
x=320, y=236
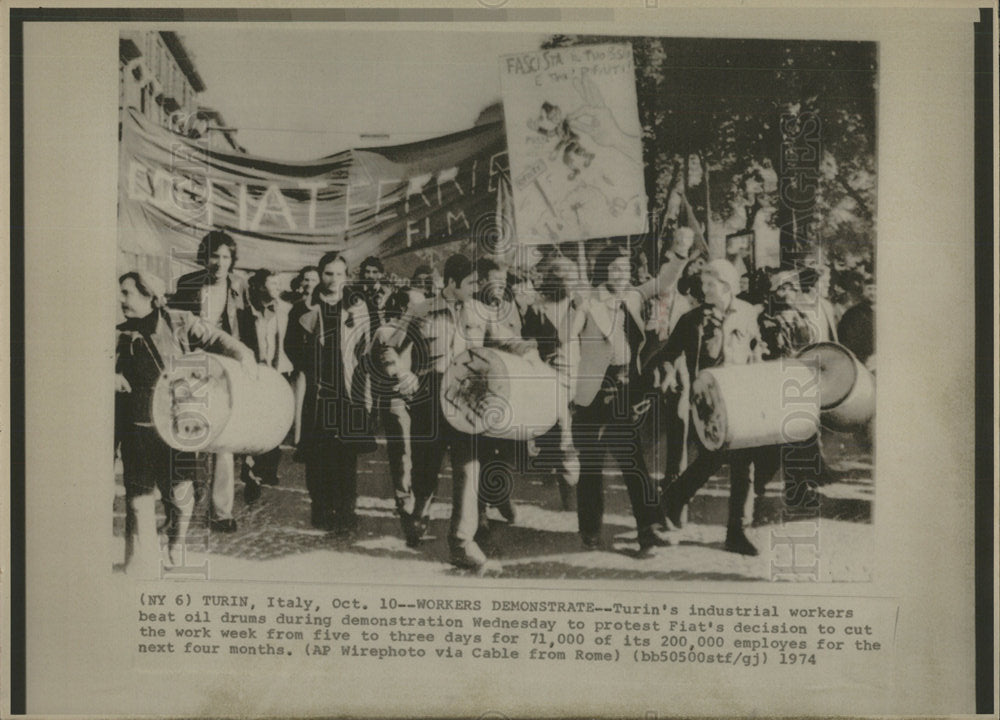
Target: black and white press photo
x=550, y=306
x=496, y=360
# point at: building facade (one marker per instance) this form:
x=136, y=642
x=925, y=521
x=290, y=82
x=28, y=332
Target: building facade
x=157, y=77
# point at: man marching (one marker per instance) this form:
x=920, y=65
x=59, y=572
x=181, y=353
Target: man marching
x=269, y=316
x=150, y=341
x=218, y=296
x=433, y=334
x=721, y=332
x=608, y=389
x=336, y=336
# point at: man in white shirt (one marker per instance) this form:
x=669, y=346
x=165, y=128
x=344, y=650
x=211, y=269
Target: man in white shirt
x=269, y=315
x=219, y=297
x=608, y=388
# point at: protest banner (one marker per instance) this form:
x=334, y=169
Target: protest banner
x=380, y=201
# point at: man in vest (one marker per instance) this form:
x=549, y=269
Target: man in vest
x=336, y=337
x=608, y=390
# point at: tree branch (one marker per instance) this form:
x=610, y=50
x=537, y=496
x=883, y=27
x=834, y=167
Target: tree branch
x=855, y=196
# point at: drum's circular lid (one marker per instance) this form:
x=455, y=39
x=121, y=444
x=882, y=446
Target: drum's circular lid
x=837, y=371
x=709, y=411
x=192, y=402
x=474, y=391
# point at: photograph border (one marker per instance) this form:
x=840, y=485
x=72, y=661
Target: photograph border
x=985, y=317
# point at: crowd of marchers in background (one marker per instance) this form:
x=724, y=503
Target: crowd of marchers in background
x=366, y=353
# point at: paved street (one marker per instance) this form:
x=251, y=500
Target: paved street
x=275, y=541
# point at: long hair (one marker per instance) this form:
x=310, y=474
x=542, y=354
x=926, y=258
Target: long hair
x=258, y=286
x=457, y=268
x=212, y=242
x=296, y=283
x=603, y=260
x=148, y=285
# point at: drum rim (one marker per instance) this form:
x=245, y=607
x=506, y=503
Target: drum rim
x=842, y=350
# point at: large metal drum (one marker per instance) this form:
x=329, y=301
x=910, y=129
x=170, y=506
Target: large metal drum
x=498, y=394
x=847, y=388
x=767, y=403
x=207, y=402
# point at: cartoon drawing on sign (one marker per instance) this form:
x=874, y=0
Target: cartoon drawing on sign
x=551, y=123
x=577, y=170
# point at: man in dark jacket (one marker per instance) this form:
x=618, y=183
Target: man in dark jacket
x=857, y=327
x=336, y=336
x=149, y=341
x=723, y=331
x=608, y=393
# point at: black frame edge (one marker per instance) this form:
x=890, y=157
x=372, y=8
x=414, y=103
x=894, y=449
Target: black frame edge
x=985, y=193
x=17, y=507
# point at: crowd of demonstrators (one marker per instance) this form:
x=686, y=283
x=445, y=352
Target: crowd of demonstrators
x=366, y=354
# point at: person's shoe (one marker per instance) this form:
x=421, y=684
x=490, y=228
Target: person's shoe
x=468, y=557
x=737, y=542
x=414, y=528
x=227, y=525
x=345, y=525
x=507, y=511
x=591, y=541
x=650, y=537
x=674, y=516
x=251, y=491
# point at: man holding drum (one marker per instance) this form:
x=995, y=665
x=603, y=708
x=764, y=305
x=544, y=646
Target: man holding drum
x=432, y=335
x=219, y=297
x=723, y=331
x=149, y=342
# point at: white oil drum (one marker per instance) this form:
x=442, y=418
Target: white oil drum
x=499, y=394
x=766, y=403
x=847, y=387
x=208, y=402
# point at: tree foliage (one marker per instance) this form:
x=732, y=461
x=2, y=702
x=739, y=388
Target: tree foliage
x=733, y=106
